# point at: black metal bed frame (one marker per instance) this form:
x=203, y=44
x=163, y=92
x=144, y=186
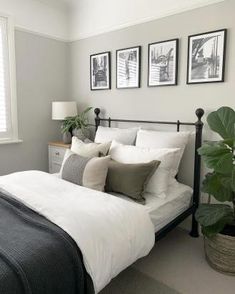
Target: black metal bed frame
x=197, y=167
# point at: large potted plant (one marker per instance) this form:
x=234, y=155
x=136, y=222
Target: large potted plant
x=217, y=218
x=77, y=125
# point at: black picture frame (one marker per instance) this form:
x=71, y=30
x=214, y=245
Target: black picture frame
x=100, y=75
x=137, y=81
x=206, y=62
x=166, y=60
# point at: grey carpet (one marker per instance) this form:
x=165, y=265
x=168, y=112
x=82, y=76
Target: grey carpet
x=132, y=281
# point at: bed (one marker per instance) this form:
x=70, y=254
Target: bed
x=198, y=125
x=163, y=211
x=73, y=239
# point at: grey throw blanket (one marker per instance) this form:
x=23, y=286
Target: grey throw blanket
x=36, y=256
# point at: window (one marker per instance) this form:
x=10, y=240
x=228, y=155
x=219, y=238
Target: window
x=8, y=107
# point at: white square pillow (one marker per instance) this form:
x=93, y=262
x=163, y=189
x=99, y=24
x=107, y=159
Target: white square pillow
x=157, y=139
x=89, y=149
x=123, y=136
x=169, y=158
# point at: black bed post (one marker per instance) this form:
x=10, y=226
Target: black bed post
x=197, y=171
x=97, y=118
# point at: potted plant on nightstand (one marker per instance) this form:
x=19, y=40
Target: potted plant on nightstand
x=218, y=219
x=78, y=125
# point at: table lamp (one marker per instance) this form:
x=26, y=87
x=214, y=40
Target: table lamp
x=60, y=111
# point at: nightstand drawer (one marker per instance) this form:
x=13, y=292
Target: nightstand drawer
x=56, y=154
x=54, y=168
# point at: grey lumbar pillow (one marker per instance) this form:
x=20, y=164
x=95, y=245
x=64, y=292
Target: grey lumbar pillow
x=84, y=171
x=130, y=179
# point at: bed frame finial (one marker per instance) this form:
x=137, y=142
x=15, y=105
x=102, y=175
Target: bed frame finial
x=97, y=118
x=199, y=113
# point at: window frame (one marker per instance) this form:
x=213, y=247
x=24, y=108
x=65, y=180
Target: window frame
x=14, y=134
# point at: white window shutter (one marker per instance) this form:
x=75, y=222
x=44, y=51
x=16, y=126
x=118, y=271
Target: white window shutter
x=6, y=127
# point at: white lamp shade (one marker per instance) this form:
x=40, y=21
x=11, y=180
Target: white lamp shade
x=61, y=110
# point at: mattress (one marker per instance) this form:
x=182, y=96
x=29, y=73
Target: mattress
x=164, y=210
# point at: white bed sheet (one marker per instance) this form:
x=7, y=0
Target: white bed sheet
x=162, y=211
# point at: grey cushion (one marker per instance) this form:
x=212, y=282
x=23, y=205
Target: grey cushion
x=87, y=172
x=130, y=179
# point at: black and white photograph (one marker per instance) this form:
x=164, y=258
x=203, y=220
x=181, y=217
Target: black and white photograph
x=206, y=57
x=100, y=71
x=128, y=67
x=163, y=63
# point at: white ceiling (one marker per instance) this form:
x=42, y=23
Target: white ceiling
x=158, y=3
x=57, y=3
x=44, y=17
x=63, y=3
x=93, y=17
x=77, y=19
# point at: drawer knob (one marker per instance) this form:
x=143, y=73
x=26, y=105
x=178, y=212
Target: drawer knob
x=57, y=153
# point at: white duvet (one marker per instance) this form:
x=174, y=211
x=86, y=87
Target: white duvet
x=112, y=233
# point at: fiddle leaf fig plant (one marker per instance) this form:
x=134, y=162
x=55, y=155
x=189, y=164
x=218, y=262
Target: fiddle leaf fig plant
x=219, y=157
x=79, y=121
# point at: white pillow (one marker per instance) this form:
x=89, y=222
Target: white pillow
x=123, y=136
x=169, y=157
x=157, y=139
x=89, y=149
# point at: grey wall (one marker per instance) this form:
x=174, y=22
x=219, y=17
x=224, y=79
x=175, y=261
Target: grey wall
x=42, y=73
x=50, y=70
x=162, y=102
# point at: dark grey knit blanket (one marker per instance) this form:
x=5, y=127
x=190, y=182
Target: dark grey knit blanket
x=36, y=256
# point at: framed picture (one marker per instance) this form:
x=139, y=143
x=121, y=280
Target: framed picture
x=100, y=66
x=206, y=57
x=128, y=67
x=163, y=63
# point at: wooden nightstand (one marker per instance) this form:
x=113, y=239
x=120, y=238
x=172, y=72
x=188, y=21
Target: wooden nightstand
x=56, y=151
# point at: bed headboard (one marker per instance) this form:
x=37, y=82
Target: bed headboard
x=198, y=125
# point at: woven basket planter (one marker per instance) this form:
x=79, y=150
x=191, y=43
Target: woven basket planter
x=220, y=253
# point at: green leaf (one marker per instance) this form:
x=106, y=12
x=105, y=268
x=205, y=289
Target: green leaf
x=222, y=122
x=230, y=142
x=218, y=157
x=87, y=110
x=233, y=179
x=210, y=231
x=210, y=214
x=226, y=181
x=78, y=121
x=215, y=185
